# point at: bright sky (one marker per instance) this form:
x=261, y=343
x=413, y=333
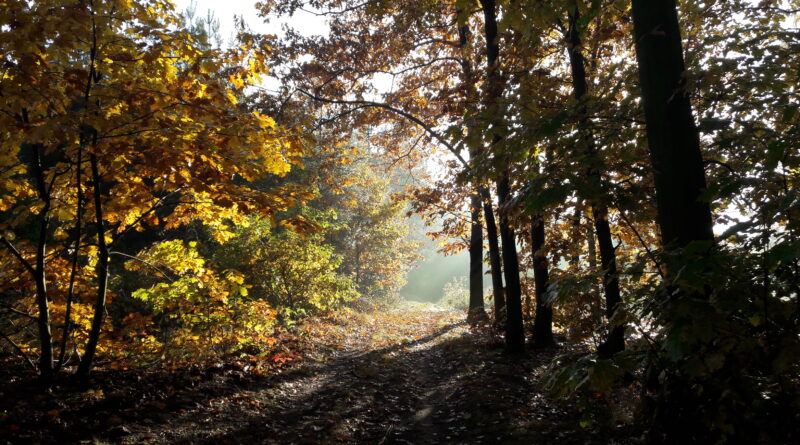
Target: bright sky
x=225, y=10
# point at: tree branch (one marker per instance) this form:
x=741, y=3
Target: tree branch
x=18, y=255
x=428, y=129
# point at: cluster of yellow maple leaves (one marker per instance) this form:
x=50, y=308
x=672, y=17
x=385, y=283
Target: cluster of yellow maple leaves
x=114, y=117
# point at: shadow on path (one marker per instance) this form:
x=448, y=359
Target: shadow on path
x=447, y=387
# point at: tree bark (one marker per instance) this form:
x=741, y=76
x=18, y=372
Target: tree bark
x=476, y=308
x=43, y=318
x=683, y=217
x=495, y=263
x=39, y=268
x=615, y=341
x=515, y=332
x=672, y=135
x=543, y=321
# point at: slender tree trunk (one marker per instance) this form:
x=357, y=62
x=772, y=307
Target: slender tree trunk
x=515, y=332
x=672, y=135
x=43, y=318
x=40, y=275
x=85, y=133
x=101, y=271
x=592, y=249
x=476, y=308
x=577, y=228
x=615, y=342
x=75, y=256
x=495, y=263
x=543, y=320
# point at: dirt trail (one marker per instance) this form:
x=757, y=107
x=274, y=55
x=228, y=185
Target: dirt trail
x=412, y=377
x=415, y=375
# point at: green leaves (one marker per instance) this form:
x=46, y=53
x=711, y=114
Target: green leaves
x=782, y=254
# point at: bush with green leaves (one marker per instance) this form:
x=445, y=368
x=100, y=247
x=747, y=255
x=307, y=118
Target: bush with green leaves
x=455, y=294
x=296, y=273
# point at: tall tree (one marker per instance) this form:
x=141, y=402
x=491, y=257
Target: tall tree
x=495, y=261
x=615, y=341
x=476, y=307
x=684, y=216
x=493, y=92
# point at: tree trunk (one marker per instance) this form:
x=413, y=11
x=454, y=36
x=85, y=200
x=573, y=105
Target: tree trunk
x=75, y=255
x=476, y=308
x=515, y=332
x=615, y=342
x=495, y=263
x=39, y=268
x=577, y=228
x=683, y=217
x=672, y=135
x=543, y=321
x=592, y=249
x=43, y=318
x=101, y=271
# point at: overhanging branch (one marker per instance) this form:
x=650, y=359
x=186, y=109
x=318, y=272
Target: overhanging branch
x=367, y=103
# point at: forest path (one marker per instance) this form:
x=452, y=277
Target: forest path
x=416, y=375
x=413, y=375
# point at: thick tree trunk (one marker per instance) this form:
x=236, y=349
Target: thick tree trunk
x=543, y=321
x=495, y=263
x=683, y=217
x=672, y=135
x=101, y=271
x=615, y=342
x=476, y=308
x=515, y=332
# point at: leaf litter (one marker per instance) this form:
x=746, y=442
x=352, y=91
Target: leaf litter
x=415, y=375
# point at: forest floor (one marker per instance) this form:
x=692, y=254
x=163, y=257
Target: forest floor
x=415, y=375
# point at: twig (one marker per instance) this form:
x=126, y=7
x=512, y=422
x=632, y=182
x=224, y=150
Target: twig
x=643, y=243
x=21, y=352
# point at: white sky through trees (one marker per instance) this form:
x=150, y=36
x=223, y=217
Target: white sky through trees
x=225, y=10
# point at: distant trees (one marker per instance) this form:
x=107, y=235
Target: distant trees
x=370, y=231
